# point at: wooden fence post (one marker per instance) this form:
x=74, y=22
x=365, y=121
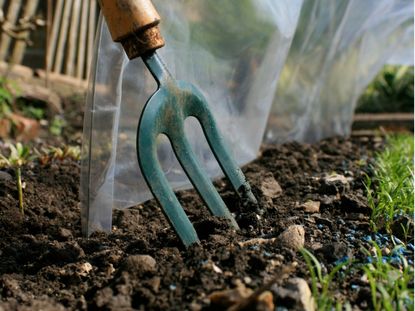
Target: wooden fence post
x=53, y=35
x=20, y=45
x=80, y=65
x=91, y=34
x=62, y=36
x=72, y=44
x=5, y=39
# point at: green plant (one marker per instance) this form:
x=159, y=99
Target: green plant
x=389, y=284
x=6, y=98
x=33, y=109
x=58, y=153
x=390, y=190
x=391, y=91
x=321, y=283
x=19, y=155
x=57, y=125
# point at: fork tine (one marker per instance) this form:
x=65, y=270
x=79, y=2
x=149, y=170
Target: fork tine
x=198, y=176
x=198, y=108
x=157, y=181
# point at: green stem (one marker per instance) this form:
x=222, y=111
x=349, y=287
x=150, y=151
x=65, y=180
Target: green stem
x=19, y=188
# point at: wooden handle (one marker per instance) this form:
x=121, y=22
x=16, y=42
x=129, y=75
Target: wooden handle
x=134, y=23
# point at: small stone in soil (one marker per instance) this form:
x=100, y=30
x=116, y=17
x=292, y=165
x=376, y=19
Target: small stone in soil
x=65, y=234
x=140, y=264
x=270, y=187
x=333, y=184
x=229, y=297
x=84, y=269
x=311, y=207
x=293, y=237
x=294, y=295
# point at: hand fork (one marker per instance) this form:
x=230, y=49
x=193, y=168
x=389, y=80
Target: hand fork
x=134, y=23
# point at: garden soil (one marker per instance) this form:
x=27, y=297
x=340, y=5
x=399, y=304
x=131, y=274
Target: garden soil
x=315, y=191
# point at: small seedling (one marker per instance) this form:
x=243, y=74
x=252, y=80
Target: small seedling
x=390, y=190
x=19, y=155
x=389, y=284
x=321, y=282
x=46, y=155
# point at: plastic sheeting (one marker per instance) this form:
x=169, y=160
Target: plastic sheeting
x=234, y=53
x=338, y=48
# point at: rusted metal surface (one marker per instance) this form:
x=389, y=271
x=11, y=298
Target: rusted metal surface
x=143, y=42
x=134, y=24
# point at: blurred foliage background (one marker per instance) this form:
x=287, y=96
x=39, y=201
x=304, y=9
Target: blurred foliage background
x=391, y=91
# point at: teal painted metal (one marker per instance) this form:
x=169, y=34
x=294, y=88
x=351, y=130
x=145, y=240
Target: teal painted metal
x=164, y=113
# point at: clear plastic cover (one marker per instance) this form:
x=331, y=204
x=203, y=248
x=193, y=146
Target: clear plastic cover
x=234, y=52
x=338, y=48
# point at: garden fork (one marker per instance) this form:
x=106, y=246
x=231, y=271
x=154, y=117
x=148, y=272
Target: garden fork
x=134, y=23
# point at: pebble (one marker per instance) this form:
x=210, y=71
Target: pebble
x=293, y=237
x=316, y=245
x=247, y=280
x=311, y=206
x=84, y=269
x=228, y=297
x=155, y=283
x=210, y=265
x=270, y=187
x=65, y=233
x=140, y=264
x=335, y=183
x=264, y=302
x=385, y=251
x=297, y=293
x=109, y=270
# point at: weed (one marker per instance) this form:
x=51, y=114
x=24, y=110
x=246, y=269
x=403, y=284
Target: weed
x=321, y=283
x=388, y=278
x=390, y=191
x=19, y=155
x=389, y=284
